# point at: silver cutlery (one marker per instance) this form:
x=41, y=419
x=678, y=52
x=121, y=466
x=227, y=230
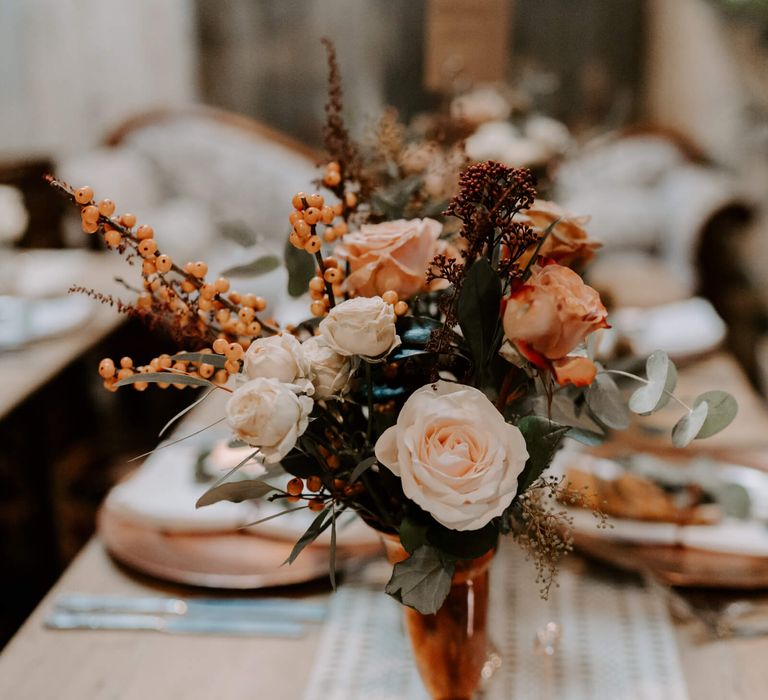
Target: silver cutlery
x=173, y=624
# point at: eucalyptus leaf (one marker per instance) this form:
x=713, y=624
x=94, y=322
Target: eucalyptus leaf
x=688, y=427
x=542, y=439
x=235, y=492
x=606, y=402
x=206, y=358
x=423, y=580
x=165, y=378
x=319, y=525
x=260, y=266
x=301, y=269
x=478, y=310
x=662, y=378
x=722, y=410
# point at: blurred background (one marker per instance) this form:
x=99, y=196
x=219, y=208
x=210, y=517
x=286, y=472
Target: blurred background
x=650, y=115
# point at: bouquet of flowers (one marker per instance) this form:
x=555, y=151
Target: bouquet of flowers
x=447, y=357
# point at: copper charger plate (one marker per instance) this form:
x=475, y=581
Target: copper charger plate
x=217, y=560
x=679, y=566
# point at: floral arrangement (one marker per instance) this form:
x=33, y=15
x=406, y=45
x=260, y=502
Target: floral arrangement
x=447, y=357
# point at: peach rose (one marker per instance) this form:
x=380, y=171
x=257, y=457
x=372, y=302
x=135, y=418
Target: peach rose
x=391, y=255
x=455, y=455
x=567, y=243
x=552, y=313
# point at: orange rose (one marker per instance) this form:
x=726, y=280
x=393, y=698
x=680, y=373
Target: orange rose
x=567, y=243
x=391, y=255
x=552, y=313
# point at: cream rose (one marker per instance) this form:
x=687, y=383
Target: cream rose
x=391, y=255
x=455, y=455
x=328, y=370
x=269, y=415
x=278, y=357
x=363, y=326
x=552, y=313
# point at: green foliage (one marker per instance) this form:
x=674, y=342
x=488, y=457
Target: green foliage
x=260, y=266
x=208, y=358
x=542, y=438
x=165, y=378
x=479, y=312
x=324, y=519
x=722, y=409
x=606, y=403
x=235, y=491
x=662, y=378
x=423, y=580
x=301, y=269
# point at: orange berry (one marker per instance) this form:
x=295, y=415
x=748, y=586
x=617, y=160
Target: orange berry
x=333, y=275
x=199, y=269
x=314, y=483
x=232, y=366
x=332, y=178
x=187, y=287
x=144, y=301
x=330, y=235
x=333, y=165
x=330, y=262
x=164, y=263
x=350, y=199
x=313, y=245
x=206, y=371
x=144, y=231
x=341, y=228
x=316, y=505
x=220, y=346
x=127, y=220
x=140, y=386
x=90, y=214
x=316, y=284
x=312, y=215
x=90, y=227
x=83, y=195
x=246, y=314
x=301, y=229
x=147, y=247
x=391, y=297
x=298, y=200
x=222, y=285
x=296, y=241
x=315, y=200
x=316, y=295
x=234, y=351
x=204, y=304
x=222, y=315
x=327, y=215
x=148, y=267
x=106, y=368
x=113, y=238
x=254, y=328
x=317, y=308
x=221, y=376
x=260, y=304
x=295, y=216
x=109, y=384
x=106, y=207
x=339, y=208
x=333, y=462
x=249, y=300
x=234, y=297
x=125, y=372
x=295, y=486
x=165, y=361
x=401, y=308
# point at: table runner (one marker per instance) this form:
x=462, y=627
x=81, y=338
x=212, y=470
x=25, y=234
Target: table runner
x=616, y=641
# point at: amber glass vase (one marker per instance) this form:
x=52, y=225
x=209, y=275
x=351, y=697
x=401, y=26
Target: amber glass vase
x=451, y=647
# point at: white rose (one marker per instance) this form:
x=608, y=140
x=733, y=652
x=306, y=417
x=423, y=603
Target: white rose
x=364, y=326
x=329, y=371
x=278, y=357
x=456, y=456
x=269, y=415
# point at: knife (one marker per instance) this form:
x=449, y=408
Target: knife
x=187, y=624
x=263, y=608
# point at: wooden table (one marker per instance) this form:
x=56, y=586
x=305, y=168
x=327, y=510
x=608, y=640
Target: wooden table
x=41, y=664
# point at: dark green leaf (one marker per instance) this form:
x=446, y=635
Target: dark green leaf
x=478, y=310
x=722, y=410
x=204, y=358
x=542, y=438
x=165, y=378
x=235, y=491
x=301, y=269
x=319, y=525
x=413, y=534
x=273, y=516
x=463, y=544
x=260, y=266
x=422, y=581
x=361, y=468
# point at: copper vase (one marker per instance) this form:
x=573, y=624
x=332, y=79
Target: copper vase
x=451, y=647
